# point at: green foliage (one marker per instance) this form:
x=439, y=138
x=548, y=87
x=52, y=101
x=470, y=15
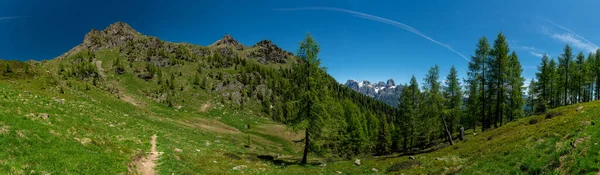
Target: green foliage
x=454, y=100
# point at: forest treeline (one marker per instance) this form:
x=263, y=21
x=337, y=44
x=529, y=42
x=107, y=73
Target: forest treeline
x=566, y=80
x=428, y=113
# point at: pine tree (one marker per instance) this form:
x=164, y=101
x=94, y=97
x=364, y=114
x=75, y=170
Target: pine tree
x=579, y=77
x=196, y=79
x=566, y=60
x=309, y=84
x=543, y=75
x=478, y=66
x=7, y=68
x=554, y=80
x=433, y=97
x=26, y=68
x=515, y=83
x=473, y=108
x=454, y=99
x=409, y=110
x=532, y=102
x=498, y=69
x=118, y=67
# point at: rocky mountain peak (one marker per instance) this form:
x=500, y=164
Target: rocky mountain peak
x=390, y=83
x=265, y=43
x=387, y=92
x=267, y=52
x=366, y=82
x=228, y=40
x=120, y=28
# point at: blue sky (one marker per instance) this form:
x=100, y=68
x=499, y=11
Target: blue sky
x=372, y=40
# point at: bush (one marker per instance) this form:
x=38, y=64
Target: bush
x=533, y=121
x=552, y=114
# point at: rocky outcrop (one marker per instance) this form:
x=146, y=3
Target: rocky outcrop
x=226, y=41
x=388, y=92
x=266, y=52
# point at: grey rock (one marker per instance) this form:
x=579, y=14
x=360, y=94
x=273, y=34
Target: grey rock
x=357, y=162
x=44, y=116
x=388, y=93
x=579, y=108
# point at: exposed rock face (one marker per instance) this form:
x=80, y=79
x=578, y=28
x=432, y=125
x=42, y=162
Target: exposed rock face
x=227, y=40
x=115, y=35
x=134, y=46
x=267, y=52
x=388, y=93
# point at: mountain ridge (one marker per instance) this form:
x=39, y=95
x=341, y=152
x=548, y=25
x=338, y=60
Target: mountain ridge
x=387, y=92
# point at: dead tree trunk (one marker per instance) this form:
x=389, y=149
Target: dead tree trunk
x=447, y=132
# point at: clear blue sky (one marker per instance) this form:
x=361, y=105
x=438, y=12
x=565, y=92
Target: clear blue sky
x=400, y=39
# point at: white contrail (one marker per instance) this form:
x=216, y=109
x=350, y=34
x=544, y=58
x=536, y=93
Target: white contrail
x=378, y=19
x=570, y=31
x=12, y=17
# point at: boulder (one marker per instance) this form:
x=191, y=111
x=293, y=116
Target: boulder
x=411, y=157
x=177, y=150
x=240, y=167
x=44, y=116
x=374, y=170
x=357, y=162
x=579, y=108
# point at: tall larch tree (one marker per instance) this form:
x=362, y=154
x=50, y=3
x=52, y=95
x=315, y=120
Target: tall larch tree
x=543, y=77
x=499, y=67
x=477, y=77
x=454, y=99
x=567, y=56
x=311, y=112
x=515, y=84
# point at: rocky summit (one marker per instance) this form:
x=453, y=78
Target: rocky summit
x=387, y=92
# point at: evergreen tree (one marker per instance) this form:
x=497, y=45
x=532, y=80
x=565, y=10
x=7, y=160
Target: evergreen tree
x=531, y=105
x=118, y=67
x=566, y=60
x=309, y=84
x=434, y=108
x=579, y=77
x=478, y=67
x=553, y=76
x=454, y=99
x=409, y=110
x=543, y=75
x=26, y=68
x=498, y=69
x=515, y=84
x=7, y=68
x=473, y=108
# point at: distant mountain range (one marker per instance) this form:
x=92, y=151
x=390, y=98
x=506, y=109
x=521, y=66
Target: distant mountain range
x=388, y=92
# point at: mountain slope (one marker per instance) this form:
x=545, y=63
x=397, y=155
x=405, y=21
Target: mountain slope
x=213, y=109
x=562, y=141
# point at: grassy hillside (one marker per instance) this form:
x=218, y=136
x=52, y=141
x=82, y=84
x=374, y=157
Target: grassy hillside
x=213, y=110
x=562, y=141
x=95, y=109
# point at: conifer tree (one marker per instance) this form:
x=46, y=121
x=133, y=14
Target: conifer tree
x=477, y=74
x=515, y=83
x=309, y=86
x=498, y=68
x=454, y=99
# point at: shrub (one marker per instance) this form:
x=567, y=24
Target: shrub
x=552, y=114
x=533, y=121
